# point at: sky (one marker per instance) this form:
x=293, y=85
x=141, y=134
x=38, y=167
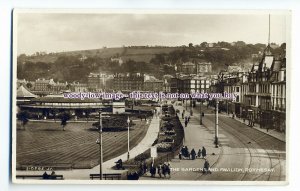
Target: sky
x=57, y=32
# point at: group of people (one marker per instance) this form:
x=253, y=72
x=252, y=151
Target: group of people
x=49, y=176
x=161, y=170
x=119, y=164
x=184, y=152
x=133, y=176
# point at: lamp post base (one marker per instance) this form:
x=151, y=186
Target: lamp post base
x=216, y=142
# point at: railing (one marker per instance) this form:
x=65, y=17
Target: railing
x=116, y=176
x=49, y=177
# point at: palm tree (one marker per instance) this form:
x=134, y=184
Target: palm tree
x=23, y=116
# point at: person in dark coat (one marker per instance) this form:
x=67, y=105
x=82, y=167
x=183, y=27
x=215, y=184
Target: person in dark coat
x=45, y=175
x=164, y=169
x=203, y=152
x=206, y=167
x=153, y=171
x=199, y=153
x=168, y=169
x=145, y=167
x=193, y=153
x=159, y=170
x=185, y=123
x=135, y=176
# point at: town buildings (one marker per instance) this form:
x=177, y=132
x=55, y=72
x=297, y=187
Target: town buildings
x=99, y=81
x=260, y=93
x=128, y=82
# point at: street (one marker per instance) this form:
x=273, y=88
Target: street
x=244, y=153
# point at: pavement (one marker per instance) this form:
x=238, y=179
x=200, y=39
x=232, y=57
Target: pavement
x=83, y=174
x=196, y=137
x=244, y=153
x=271, y=132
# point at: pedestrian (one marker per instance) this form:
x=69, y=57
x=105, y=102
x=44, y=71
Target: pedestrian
x=159, y=169
x=169, y=169
x=53, y=175
x=145, y=167
x=199, y=153
x=164, y=170
x=130, y=176
x=185, y=123
x=135, y=176
x=182, y=115
x=203, y=152
x=187, y=153
x=45, y=175
x=180, y=155
x=193, y=153
x=206, y=167
x=141, y=169
x=188, y=119
x=153, y=171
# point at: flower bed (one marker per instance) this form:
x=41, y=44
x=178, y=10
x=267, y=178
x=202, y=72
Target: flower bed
x=164, y=147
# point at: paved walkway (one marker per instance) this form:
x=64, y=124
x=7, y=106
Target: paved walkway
x=196, y=136
x=82, y=174
x=271, y=132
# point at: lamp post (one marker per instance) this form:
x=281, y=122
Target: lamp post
x=128, y=122
x=200, y=112
x=99, y=141
x=217, y=124
x=186, y=105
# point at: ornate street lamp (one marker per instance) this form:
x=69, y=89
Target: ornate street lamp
x=128, y=122
x=99, y=141
x=217, y=124
x=200, y=112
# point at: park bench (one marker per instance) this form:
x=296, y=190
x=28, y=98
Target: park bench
x=106, y=176
x=50, y=177
x=126, y=166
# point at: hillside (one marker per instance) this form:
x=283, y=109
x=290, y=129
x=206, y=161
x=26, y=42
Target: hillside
x=158, y=61
x=138, y=54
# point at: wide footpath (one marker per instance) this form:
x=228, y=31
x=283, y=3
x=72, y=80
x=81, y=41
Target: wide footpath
x=83, y=174
x=196, y=136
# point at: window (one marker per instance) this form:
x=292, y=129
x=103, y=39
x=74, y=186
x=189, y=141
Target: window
x=237, y=89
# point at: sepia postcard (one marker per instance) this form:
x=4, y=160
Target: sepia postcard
x=150, y=97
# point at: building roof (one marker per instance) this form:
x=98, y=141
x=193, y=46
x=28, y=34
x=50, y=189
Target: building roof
x=22, y=92
x=56, y=99
x=268, y=60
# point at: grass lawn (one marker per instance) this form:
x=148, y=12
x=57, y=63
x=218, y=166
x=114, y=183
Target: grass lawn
x=46, y=144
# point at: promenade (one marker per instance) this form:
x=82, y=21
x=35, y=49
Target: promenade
x=83, y=174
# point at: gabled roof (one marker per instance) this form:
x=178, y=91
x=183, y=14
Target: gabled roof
x=22, y=92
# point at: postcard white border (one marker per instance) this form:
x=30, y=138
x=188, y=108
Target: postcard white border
x=147, y=11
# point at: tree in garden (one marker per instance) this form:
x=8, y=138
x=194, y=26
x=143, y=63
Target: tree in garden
x=23, y=116
x=65, y=117
x=29, y=85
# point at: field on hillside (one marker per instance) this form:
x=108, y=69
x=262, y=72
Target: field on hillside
x=134, y=53
x=45, y=144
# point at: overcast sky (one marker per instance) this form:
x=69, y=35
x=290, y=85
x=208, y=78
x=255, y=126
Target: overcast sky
x=55, y=32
